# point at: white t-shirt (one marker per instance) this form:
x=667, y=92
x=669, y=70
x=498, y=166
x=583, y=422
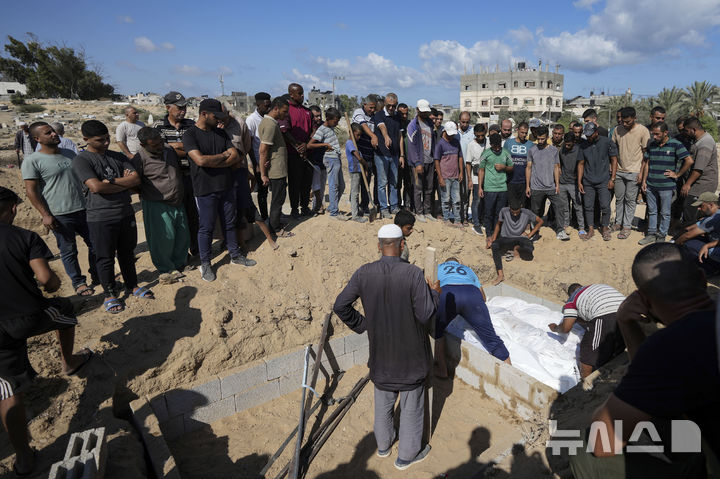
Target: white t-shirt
x=253, y=122
x=474, y=152
x=127, y=133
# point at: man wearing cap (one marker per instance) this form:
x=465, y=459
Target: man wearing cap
x=399, y=307
x=702, y=237
x=126, y=132
x=590, y=116
x=389, y=156
x=213, y=157
x=262, y=106
x=26, y=313
x=421, y=148
x=596, y=171
x=24, y=142
x=172, y=128
x=449, y=166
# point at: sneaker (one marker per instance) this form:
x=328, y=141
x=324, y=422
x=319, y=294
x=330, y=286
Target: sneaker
x=650, y=238
x=562, y=236
x=306, y=212
x=359, y=219
x=386, y=215
x=386, y=452
x=339, y=217
x=207, y=273
x=421, y=218
x=393, y=211
x=402, y=465
x=478, y=230
x=536, y=238
x=242, y=260
x=660, y=238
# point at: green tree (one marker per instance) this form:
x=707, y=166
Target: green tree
x=699, y=97
x=348, y=103
x=52, y=71
x=672, y=100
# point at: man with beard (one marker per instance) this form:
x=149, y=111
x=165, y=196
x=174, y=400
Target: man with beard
x=262, y=106
x=296, y=130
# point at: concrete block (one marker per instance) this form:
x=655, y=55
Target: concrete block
x=161, y=459
x=209, y=414
x=515, y=382
x=553, y=306
x=238, y=380
x=497, y=395
x=159, y=407
x=91, y=451
x=173, y=427
x=354, y=342
x=258, y=395
x=336, y=345
x=181, y=401
x=70, y=468
x=361, y=357
x=467, y=376
x=492, y=291
x=290, y=383
x=524, y=411
x=543, y=396
x=340, y=363
x=282, y=365
x=483, y=363
x=513, y=292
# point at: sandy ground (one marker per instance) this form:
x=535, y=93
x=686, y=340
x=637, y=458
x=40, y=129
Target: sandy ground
x=195, y=329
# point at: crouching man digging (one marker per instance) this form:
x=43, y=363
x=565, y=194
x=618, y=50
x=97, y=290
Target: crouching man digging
x=25, y=313
x=397, y=330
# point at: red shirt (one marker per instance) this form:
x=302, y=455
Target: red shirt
x=298, y=123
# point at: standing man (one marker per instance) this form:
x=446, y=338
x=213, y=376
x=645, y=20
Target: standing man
x=161, y=193
x=274, y=161
x=213, y=158
x=262, y=106
x=296, y=129
x=570, y=156
x=24, y=142
x=590, y=115
x=65, y=143
x=366, y=143
x=126, y=132
x=657, y=114
x=659, y=176
x=704, y=175
x=542, y=178
x=558, y=135
x=421, y=147
x=506, y=127
x=631, y=139
x=404, y=188
x=54, y=190
x=390, y=155
x=172, y=128
x=466, y=136
x=474, y=151
x=597, y=167
x=518, y=149
x=397, y=330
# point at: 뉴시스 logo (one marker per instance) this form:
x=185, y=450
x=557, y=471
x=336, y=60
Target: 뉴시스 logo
x=684, y=438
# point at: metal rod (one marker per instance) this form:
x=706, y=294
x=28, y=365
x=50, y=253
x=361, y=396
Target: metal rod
x=301, y=422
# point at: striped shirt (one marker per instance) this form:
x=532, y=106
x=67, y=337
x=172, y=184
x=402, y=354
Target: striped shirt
x=661, y=158
x=591, y=302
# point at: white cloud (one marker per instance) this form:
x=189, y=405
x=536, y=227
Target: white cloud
x=445, y=60
x=167, y=46
x=144, y=44
x=196, y=71
x=125, y=19
x=585, y=3
x=522, y=35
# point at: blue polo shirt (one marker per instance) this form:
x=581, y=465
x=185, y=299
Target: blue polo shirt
x=452, y=272
x=661, y=158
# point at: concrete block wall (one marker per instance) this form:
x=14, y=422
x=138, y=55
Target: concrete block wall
x=183, y=410
x=85, y=456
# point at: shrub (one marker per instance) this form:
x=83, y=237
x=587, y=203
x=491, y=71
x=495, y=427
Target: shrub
x=30, y=108
x=17, y=99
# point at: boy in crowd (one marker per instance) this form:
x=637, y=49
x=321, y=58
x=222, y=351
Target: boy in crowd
x=355, y=162
x=60, y=203
x=510, y=236
x=449, y=167
x=406, y=221
x=108, y=177
x=326, y=138
x=495, y=164
x=570, y=155
x=315, y=157
x=475, y=149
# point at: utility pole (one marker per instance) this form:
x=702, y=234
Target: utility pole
x=222, y=85
x=335, y=77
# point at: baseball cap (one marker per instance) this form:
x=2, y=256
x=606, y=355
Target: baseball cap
x=22, y=123
x=450, y=128
x=706, y=197
x=175, y=98
x=423, y=105
x=7, y=194
x=534, y=123
x=589, y=129
x=390, y=232
x=213, y=106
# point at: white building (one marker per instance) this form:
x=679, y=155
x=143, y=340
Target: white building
x=579, y=104
x=145, y=99
x=522, y=87
x=12, y=87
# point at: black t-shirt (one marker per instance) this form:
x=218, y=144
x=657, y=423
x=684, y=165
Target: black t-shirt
x=392, y=123
x=19, y=294
x=211, y=142
x=675, y=372
x=111, y=165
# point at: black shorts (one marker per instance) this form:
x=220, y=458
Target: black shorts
x=602, y=341
x=16, y=372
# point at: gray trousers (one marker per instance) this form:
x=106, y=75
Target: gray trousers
x=626, y=192
x=355, y=188
x=569, y=192
x=412, y=409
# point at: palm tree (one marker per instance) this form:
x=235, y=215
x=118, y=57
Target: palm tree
x=699, y=97
x=672, y=100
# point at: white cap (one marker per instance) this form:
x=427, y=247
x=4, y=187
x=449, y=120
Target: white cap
x=22, y=123
x=423, y=105
x=390, y=232
x=450, y=128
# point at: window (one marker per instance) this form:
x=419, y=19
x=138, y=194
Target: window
x=467, y=87
x=505, y=101
x=515, y=83
x=529, y=102
x=515, y=102
x=497, y=101
x=557, y=102
x=549, y=85
x=540, y=102
x=484, y=103
x=468, y=103
x=541, y=84
x=484, y=85
x=529, y=84
x=10, y=92
x=502, y=85
x=549, y=101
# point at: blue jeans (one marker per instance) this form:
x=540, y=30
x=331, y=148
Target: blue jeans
x=219, y=204
x=70, y=226
x=336, y=183
x=450, y=197
x=494, y=202
x=387, y=173
x=665, y=198
x=476, y=207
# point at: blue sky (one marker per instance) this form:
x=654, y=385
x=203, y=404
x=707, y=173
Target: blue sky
x=417, y=49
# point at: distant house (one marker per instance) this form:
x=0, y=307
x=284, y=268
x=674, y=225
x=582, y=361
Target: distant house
x=145, y=99
x=12, y=87
x=323, y=99
x=579, y=104
x=239, y=100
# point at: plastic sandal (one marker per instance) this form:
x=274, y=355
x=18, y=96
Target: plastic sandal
x=108, y=304
x=143, y=292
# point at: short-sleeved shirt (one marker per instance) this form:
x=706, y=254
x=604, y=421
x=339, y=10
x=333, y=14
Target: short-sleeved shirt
x=675, y=372
x=542, y=175
x=363, y=142
x=596, y=155
x=127, y=133
x=495, y=181
x=298, y=123
x=704, y=153
x=661, y=159
x=474, y=155
x=568, y=164
x=60, y=187
x=630, y=147
x=102, y=207
x=392, y=124
x=270, y=134
x=447, y=153
x=590, y=302
x=175, y=135
x=711, y=226
x=213, y=141
x=19, y=294
x=514, y=226
x=466, y=137
x=518, y=151
x=239, y=135
x=353, y=163
x=452, y=272
x=253, y=122
x=327, y=135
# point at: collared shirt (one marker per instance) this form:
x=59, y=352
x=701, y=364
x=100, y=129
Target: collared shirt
x=175, y=135
x=662, y=158
x=704, y=152
x=398, y=306
x=298, y=123
x=596, y=156
x=392, y=124
x=466, y=137
x=253, y=122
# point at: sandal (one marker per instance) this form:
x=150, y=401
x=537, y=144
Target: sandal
x=84, y=290
x=285, y=234
x=509, y=256
x=111, y=303
x=588, y=235
x=143, y=292
x=606, y=235
x=624, y=234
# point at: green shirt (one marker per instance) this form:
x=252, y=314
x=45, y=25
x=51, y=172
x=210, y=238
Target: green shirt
x=60, y=187
x=495, y=181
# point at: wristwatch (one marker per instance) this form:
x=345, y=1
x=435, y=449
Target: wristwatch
x=111, y=181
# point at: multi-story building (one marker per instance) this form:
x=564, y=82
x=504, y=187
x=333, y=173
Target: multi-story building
x=145, y=99
x=520, y=88
x=323, y=99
